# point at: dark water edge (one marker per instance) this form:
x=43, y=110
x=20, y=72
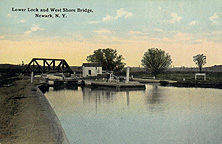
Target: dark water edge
x=192, y=84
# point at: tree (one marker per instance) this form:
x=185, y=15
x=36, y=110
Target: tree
x=156, y=60
x=200, y=61
x=109, y=59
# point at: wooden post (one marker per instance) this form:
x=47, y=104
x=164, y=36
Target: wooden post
x=32, y=75
x=127, y=75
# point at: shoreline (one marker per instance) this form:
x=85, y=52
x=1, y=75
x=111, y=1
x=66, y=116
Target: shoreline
x=186, y=84
x=27, y=116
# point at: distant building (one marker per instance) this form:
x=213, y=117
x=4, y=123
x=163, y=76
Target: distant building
x=91, y=69
x=77, y=70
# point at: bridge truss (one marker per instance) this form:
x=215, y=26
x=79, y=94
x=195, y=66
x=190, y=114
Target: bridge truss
x=44, y=65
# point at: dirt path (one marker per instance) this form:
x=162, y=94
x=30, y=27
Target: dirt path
x=27, y=117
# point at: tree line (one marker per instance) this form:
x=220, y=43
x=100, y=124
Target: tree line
x=154, y=59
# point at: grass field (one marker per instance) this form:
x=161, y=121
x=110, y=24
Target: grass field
x=212, y=77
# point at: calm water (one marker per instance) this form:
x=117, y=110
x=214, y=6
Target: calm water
x=157, y=115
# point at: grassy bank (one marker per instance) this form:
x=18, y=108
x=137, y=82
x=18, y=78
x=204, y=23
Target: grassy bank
x=213, y=77
x=9, y=104
x=183, y=79
x=26, y=116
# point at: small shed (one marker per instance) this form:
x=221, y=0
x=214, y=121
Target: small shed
x=91, y=69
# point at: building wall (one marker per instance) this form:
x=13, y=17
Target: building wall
x=94, y=71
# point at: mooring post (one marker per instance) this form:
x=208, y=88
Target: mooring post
x=127, y=75
x=32, y=75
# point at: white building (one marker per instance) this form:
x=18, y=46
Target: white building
x=91, y=69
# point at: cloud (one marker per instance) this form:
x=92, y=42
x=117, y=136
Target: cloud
x=182, y=36
x=28, y=32
x=103, y=31
x=2, y=37
x=33, y=29
x=107, y=38
x=136, y=32
x=138, y=35
x=158, y=30
x=120, y=13
x=175, y=18
x=9, y=15
x=177, y=37
x=141, y=37
x=93, y=22
x=194, y=22
x=215, y=36
x=217, y=33
x=214, y=18
x=108, y=18
x=199, y=41
x=22, y=21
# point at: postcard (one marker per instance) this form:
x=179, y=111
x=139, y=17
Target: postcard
x=117, y=72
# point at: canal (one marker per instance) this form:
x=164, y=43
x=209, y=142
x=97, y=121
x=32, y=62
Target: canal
x=157, y=115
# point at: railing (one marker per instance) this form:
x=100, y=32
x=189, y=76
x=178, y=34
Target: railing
x=112, y=76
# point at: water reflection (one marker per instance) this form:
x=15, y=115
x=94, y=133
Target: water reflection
x=100, y=95
x=154, y=98
x=127, y=98
x=58, y=88
x=103, y=97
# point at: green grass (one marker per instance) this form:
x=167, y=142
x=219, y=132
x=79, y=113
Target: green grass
x=189, y=77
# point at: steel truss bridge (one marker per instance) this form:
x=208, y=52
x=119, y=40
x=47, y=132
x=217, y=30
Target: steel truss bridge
x=46, y=65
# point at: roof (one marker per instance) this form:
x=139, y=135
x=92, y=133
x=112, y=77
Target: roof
x=92, y=64
x=76, y=68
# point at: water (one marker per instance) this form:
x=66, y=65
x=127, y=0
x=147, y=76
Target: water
x=157, y=115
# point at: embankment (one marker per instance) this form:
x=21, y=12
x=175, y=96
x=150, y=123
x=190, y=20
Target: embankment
x=27, y=117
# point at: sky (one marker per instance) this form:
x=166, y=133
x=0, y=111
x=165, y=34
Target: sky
x=182, y=28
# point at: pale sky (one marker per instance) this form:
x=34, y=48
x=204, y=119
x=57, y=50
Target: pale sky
x=182, y=28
